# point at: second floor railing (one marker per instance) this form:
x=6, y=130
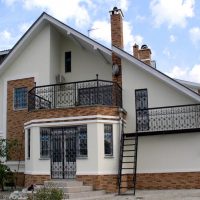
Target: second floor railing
x=82, y=93
x=171, y=118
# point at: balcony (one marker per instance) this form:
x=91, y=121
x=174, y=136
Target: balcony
x=82, y=93
x=173, y=119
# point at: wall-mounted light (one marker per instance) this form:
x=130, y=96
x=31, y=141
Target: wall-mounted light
x=115, y=69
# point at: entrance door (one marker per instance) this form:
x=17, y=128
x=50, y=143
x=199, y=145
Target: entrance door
x=63, y=153
x=142, y=114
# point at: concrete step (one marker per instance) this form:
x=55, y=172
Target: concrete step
x=62, y=183
x=101, y=197
x=86, y=195
x=75, y=189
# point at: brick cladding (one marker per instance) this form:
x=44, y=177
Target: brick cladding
x=75, y=111
x=117, y=40
x=35, y=179
x=17, y=118
x=105, y=182
x=177, y=180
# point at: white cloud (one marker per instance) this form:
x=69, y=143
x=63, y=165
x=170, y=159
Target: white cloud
x=195, y=35
x=172, y=12
x=101, y=30
x=189, y=74
x=123, y=4
x=7, y=39
x=61, y=9
x=172, y=38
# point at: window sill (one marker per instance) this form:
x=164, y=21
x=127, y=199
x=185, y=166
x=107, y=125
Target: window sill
x=20, y=109
x=109, y=157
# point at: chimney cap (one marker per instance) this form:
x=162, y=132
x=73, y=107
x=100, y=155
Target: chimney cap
x=116, y=11
x=144, y=46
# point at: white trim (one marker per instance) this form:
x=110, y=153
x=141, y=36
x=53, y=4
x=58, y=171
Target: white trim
x=37, y=173
x=156, y=73
x=70, y=123
x=71, y=118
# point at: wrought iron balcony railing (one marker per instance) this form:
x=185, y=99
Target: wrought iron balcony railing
x=168, y=119
x=83, y=93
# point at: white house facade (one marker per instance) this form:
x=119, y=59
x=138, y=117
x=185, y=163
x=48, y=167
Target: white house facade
x=74, y=105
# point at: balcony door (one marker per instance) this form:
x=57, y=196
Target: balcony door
x=141, y=104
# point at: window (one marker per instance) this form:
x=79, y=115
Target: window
x=68, y=61
x=45, y=142
x=108, y=140
x=29, y=144
x=20, y=98
x=82, y=141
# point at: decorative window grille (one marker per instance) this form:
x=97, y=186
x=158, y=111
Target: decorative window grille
x=29, y=144
x=45, y=142
x=82, y=141
x=108, y=140
x=20, y=98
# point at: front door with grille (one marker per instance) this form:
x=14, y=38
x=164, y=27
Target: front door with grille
x=63, y=153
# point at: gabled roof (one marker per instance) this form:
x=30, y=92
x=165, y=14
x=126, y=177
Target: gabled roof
x=102, y=50
x=156, y=73
x=36, y=27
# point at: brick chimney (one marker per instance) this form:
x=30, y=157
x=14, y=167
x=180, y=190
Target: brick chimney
x=116, y=17
x=143, y=54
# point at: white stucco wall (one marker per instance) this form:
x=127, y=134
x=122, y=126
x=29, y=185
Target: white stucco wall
x=95, y=163
x=55, y=51
x=35, y=165
x=85, y=63
x=169, y=153
x=159, y=93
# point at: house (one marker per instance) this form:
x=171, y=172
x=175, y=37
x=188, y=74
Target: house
x=69, y=100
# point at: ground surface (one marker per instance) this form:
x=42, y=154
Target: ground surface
x=162, y=195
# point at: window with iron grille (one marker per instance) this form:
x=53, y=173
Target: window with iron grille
x=29, y=144
x=20, y=98
x=108, y=139
x=82, y=141
x=45, y=142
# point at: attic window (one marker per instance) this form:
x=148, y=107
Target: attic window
x=68, y=61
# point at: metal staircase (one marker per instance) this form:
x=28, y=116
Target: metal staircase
x=127, y=163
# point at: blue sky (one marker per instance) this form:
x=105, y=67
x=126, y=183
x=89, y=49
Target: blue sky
x=171, y=28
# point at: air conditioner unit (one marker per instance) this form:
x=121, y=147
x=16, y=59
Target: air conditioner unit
x=60, y=79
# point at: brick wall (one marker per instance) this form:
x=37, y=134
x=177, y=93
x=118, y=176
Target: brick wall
x=35, y=179
x=178, y=180
x=105, y=182
x=17, y=118
x=75, y=111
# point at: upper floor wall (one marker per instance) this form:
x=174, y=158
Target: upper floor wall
x=160, y=94
x=86, y=62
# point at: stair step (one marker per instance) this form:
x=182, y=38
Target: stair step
x=75, y=189
x=62, y=183
x=85, y=194
x=101, y=197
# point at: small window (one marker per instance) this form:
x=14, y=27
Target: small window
x=20, y=98
x=68, y=61
x=29, y=144
x=45, y=142
x=82, y=141
x=108, y=140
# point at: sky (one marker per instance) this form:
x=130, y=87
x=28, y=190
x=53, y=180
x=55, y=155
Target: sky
x=171, y=28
